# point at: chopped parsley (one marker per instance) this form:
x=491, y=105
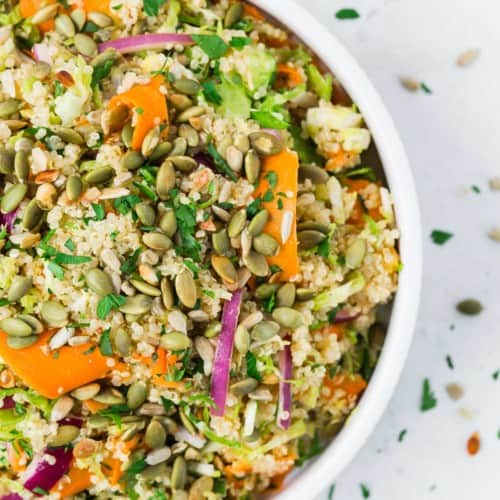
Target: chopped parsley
x=428, y=400
x=331, y=491
x=252, y=370
x=425, y=88
x=308, y=449
x=238, y=42
x=210, y=92
x=280, y=204
x=440, y=237
x=70, y=245
x=449, y=362
x=113, y=235
x=254, y=207
x=105, y=343
x=56, y=270
x=213, y=45
x=114, y=412
x=402, y=435
x=185, y=215
x=365, y=492
x=125, y=204
x=268, y=196
x=130, y=265
x=101, y=71
x=66, y=259
x=270, y=303
x=99, y=212
x=109, y=303
x=152, y=7
x=58, y=88
x=221, y=164
x=40, y=491
x=476, y=189
x=343, y=14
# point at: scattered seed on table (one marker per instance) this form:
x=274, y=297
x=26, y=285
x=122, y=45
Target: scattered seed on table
x=473, y=444
x=468, y=57
x=455, y=391
x=409, y=83
x=494, y=234
x=495, y=183
x=469, y=307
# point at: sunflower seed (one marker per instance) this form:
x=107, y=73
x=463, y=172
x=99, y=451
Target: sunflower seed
x=468, y=57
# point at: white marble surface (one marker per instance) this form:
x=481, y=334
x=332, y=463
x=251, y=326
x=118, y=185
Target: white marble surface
x=452, y=139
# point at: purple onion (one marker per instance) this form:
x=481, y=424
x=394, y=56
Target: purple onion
x=203, y=158
x=8, y=219
x=11, y=496
x=74, y=421
x=145, y=42
x=285, y=389
x=7, y=403
x=345, y=315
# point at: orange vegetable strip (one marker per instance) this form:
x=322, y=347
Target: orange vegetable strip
x=31, y=7
x=16, y=456
x=352, y=385
x=79, y=480
x=112, y=467
x=254, y=12
x=94, y=406
x=291, y=76
x=286, y=167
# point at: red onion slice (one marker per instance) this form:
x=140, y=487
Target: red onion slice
x=7, y=220
x=11, y=496
x=145, y=42
x=285, y=391
x=7, y=403
x=345, y=315
x=74, y=421
x=224, y=352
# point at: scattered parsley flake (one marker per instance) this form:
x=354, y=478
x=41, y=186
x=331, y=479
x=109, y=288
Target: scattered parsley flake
x=440, y=237
x=252, y=370
x=113, y=235
x=402, y=435
x=428, y=400
x=40, y=491
x=343, y=14
x=365, y=492
x=331, y=491
x=495, y=375
x=101, y=71
x=125, y=204
x=425, y=88
x=98, y=211
x=272, y=178
x=238, y=42
x=280, y=204
x=130, y=264
x=220, y=163
x=66, y=259
x=56, y=270
x=449, y=362
x=268, y=196
x=209, y=293
x=476, y=189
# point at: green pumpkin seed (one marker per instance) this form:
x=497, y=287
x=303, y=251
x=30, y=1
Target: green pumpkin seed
x=165, y=179
x=185, y=287
x=309, y=239
x=36, y=325
x=220, y=242
x=158, y=456
x=114, y=119
x=256, y=264
x=32, y=215
x=137, y=305
x=68, y=135
x=237, y=223
x=127, y=134
x=110, y=396
x=104, y=57
x=179, y=147
x=167, y=293
x=21, y=342
x=252, y=166
x=132, y=160
x=265, y=330
x=244, y=387
x=21, y=165
x=179, y=474
x=85, y=45
x=151, y=140
x=180, y=102
x=54, y=313
x=190, y=134
x=100, y=19
x=168, y=223
x=183, y=163
x=224, y=268
x=74, y=187
x=155, y=435
x=265, y=143
x=242, y=340
x=303, y=294
x=175, y=341
x=160, y=151
x=233, y=14
x=154, y=471
x=213, y=329
x=100, y=175
x=146, y=213
x=41, y=70
x=201, y=488
x=20, y=286
x=286, y=295
x=265, y=290
x=64, y=25
x=44, y=14
x=187, y=86
x=65, y=434
x=121, y=342
x=98, y=422
x=316, y=175
x=15, y=327
x=315, y=226
x=265, y=244
x=355, y=253
x=257, y=224
x=145, y=288
x=9, y=107
x=78, y=17
x=288, y=317
x=470, y=307
x=86, y=392
x=99, y=281
x=157, y=241
x=192, y=112
x=6, y=161
x=136, y=395
x=13, y=197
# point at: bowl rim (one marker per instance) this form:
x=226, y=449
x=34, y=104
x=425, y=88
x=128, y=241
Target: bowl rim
x=321, y=472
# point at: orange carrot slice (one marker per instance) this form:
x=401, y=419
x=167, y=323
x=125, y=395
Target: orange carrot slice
x=79, y=480
x=16, y=456
x=352, y=385
x=288, y=77
x=31, y=7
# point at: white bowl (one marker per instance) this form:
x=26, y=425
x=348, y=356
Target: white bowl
x=318, y=474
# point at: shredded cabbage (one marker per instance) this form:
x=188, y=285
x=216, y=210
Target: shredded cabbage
x=321, y=85
x=235, y=102
x=259, y=68
x=8, y=269
x=332, y=298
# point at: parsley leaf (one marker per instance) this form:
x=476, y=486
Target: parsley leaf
x=64, y=258
x=213, y=45
x=449, y=362
x=440, y=237
x=254, y=207
x=252, y=370
x=114, y=412
x=185, y=215
x=402, y=435
x=101, y=71
x=70, y=245
x=98, y=211
x=308, y=449
x=343, y=14
x=210, y=92
x=105, y=343
x=125, y=204
x=152, y=7
x=130, y=264
x=238, y=42
x=425, y=88
x=331, y=491
x=364, y=490
x=495, y=375
x=108, y=303
x=56, y=270
x=428, y=400
x=40, y=491
x=272, y=178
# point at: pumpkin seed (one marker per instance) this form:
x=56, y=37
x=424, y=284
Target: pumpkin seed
x=68, y=135
x=309, y=239
x=180, y=102
x=190, y=134
x=13, y=197
x=200, y=488
x=265, y=143
x=32, y=215
x=233, y=14
x=86, y=392
x=157, y=241
x=21, y=342
x=21, y=165
x=100, y=19
x=15, y=327
x=98, y=421
x=179, y=147
x=146, y=213
x=192, y=112
x=64, y=25
x=183, y=163
x=315, y=174
x=35, y=323
x=265, y=244
x=46, y=196
x=65, y=434
x=185, y=287
x=165, y=179
x=316, y=226
x=303, y=294
x=158, y=456
x=265, y=290
x=9, y=107
x=287, y=317
x=167, y=293
x=220, y=242
x=244, y=387
x=234, y=158
x=53, y=313
x=175, y=341
x=168, y=223
x=19, y=287
x=41, y=70
x=61, y=408
x=127, y=133
x=151, y=140
x=74, y=187
x=145, y=288
x=470, y=307
x=121, y=342
x=224, y=268
x=132, y=160
x=114, y=119
x=78, y=16
x=104, y=57
x=257, y=224
x=85, y=45
x=110, y=396
x=252, y=166
x=136, y=395
x=130, y=432
x=155, y=435
x=286, y=295
x=99, y=281
x=179, y=474
x=355, y=253
x=160, y=151
x=237, y=223
x=187, y=86
x=242, y=340
x=256, y=263
x=410, y=83
x=100, y=175
x=6, y=161
x=265, y=330
x=154, y=471
x=44, y=14
x=137, y=305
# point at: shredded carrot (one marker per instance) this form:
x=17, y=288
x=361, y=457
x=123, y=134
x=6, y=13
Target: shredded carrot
x=79, y=480
x=288, y=77
x=352, y=385
x=285, y=165
x=30, y=7
x=336, y=329
x=357, y=216
x=391, y=263
x=338, y=160
x=473, y=444
x=93, y=6
x=149, y=105
x=94, y=406
x=52, y=375
x=112, y=467
x=16, y=456
x=254, y=12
